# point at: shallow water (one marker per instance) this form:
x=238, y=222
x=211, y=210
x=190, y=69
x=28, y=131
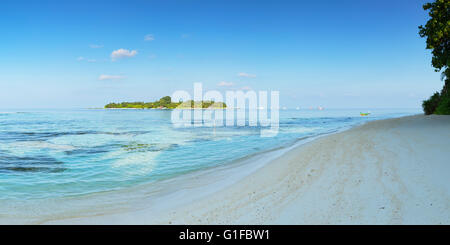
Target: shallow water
x=60, y=153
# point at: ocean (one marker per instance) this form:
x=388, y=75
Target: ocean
x=51, y=154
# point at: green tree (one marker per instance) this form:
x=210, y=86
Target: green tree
x=436, y=31
x=165, y=101
x=430, y=105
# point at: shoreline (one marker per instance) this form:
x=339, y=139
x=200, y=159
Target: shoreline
x=270, y=188
x=381, y=172
x=218, y=177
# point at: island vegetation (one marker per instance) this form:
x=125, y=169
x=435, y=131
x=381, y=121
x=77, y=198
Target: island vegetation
x=437, y=31
x=167, y=103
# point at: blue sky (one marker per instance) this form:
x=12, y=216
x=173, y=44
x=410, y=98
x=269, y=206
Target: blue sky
x=335, y=54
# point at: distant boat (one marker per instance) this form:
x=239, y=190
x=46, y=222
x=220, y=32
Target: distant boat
x=364, y=114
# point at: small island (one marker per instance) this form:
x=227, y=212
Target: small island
x=166, y=103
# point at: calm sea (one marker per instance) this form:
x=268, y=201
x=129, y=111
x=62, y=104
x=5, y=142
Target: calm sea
x=60, y=153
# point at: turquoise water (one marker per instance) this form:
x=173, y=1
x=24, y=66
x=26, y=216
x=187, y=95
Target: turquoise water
x=56, y=153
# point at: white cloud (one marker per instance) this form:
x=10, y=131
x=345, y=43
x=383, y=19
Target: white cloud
x=149, y=37
x=87, y=60
x=110, y=77
x=225, y=84
x=246, y=88
x=96, y=46
x=122, y=53
x=243, y=74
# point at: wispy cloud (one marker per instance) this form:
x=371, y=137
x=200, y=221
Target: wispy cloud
x=122, y=53
x=96, y=46
x=110, y=77
x=225, y=84
x=149, y=37
x=85, y=59
x=243, y=74
x=246, y=88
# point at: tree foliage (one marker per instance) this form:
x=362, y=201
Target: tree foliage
x=166, y=103
x=444, y=106
x=166, y=100
x=436, y=31
x=430, y=105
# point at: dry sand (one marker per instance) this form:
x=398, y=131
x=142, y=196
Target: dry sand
x=394, y=171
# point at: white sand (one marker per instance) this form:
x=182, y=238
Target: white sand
x=394, y=171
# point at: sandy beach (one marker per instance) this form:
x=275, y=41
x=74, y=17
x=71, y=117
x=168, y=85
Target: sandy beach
x=393, y=171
